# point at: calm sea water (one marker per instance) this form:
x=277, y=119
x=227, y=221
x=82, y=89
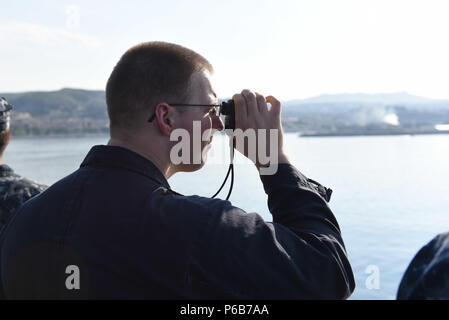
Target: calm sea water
x=391, y=193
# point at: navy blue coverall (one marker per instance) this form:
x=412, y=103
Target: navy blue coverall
x=131, y=237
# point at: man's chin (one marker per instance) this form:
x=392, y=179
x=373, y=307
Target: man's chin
x=196, y=164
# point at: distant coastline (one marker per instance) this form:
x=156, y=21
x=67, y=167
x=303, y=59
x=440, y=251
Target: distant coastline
x=77, y=112
x=298, y=133
x=62, y=135
x=372, y=134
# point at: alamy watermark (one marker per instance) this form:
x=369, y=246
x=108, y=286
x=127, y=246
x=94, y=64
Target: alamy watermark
x=261, y=146
x=72, y=282
x=373, y=279
x=73, y=17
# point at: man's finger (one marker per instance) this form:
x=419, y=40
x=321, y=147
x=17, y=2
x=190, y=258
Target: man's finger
x=240, y=109
x=261, y=104
x=251, y=103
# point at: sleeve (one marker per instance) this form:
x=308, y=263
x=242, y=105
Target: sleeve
x=301, y=255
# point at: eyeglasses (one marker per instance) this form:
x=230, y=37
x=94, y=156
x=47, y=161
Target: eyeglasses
x=216, y=110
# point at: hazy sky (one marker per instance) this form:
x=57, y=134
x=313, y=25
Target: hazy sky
x=290, y=49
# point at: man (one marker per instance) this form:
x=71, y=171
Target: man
x=14, y=189
x=114, y=228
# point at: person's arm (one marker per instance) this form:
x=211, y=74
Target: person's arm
x=300, y=255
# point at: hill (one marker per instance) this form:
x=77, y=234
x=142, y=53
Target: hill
x=70, y=111
x=55, y=112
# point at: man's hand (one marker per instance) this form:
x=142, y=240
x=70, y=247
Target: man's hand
x=251, y=113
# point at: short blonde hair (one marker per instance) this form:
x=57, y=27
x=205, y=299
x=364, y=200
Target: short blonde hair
x=149, y=73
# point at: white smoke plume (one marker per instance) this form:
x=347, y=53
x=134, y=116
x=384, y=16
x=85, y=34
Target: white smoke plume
x=366, y=115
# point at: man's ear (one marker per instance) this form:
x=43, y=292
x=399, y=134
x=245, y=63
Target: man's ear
x=164, y=118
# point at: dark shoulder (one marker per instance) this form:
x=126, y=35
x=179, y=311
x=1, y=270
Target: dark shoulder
x=188, y=204
x=214, y=213
x=14, y=184
x=15, y=190
x=427, y=276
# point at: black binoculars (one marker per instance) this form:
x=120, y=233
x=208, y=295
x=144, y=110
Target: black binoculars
x=227, y=109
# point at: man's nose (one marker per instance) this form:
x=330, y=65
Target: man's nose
x=217, y=123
